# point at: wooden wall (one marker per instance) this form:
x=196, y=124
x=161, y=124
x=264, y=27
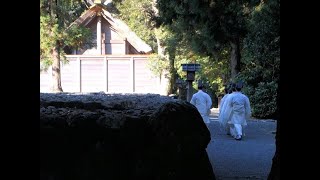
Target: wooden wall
x=107, y=73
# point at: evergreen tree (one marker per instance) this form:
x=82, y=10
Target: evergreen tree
x=261, y=61
x=56, y=33
x=209, y=25
x=139, y=16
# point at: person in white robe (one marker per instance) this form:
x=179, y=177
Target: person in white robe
x=237, y=111
x=202, y=101
x=222, y=110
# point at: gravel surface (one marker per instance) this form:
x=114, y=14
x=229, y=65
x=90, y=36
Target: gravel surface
x=136, y=100
x=250, y=158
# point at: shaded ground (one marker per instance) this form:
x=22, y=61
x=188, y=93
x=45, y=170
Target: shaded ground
x=250, y=158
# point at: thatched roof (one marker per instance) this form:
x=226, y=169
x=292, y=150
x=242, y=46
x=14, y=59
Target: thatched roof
x=116, y=24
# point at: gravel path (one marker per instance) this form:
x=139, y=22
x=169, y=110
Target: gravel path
x=250, y=158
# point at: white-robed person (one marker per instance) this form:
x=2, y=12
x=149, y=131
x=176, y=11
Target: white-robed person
x=202, y=101
x=222, y=110
x=237, y=111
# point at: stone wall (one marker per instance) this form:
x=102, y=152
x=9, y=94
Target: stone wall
x=121, y=136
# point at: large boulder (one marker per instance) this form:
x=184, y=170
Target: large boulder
x=121, y=136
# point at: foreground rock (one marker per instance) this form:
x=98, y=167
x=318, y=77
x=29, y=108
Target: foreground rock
x=103, y=136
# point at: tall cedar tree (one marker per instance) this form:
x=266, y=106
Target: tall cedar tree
x=209, y=25
x=56, y=34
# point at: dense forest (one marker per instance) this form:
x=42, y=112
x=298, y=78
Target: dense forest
x=231, y=40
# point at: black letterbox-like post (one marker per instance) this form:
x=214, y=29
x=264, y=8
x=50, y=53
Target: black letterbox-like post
x=190, y=69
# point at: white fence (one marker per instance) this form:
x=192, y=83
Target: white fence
x=107, y=73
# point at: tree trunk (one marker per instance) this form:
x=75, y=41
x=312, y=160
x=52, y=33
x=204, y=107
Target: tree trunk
x=235, y=57
x=160, y=47
x=161, y=53
x=171, y=84
x=56, y=75
x=161, y=50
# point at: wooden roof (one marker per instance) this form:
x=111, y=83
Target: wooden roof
x=117, y=25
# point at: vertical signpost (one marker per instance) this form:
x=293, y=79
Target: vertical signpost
x=191, y=69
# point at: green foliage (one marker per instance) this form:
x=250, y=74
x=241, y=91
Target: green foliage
x=158, y=65
x=48, y=36
x=215, y=73
x=212, y=72
x=200, y=31
x=77, y=36
x=56, y=17
x=137, y=15
x=206, y=25
x=262, y=99
x=45, y=64
x=261, y=59
x=206, y=28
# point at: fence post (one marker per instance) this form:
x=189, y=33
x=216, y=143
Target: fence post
x=105, y=67
x=79, y=73
x=132, y=72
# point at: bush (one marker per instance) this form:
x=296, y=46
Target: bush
x=263, y=99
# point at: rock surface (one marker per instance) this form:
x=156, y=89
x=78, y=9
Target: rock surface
x=121, y=136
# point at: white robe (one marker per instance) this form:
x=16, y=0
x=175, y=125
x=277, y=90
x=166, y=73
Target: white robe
x=239, y=108
x=223, y=111
x=203, y=103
